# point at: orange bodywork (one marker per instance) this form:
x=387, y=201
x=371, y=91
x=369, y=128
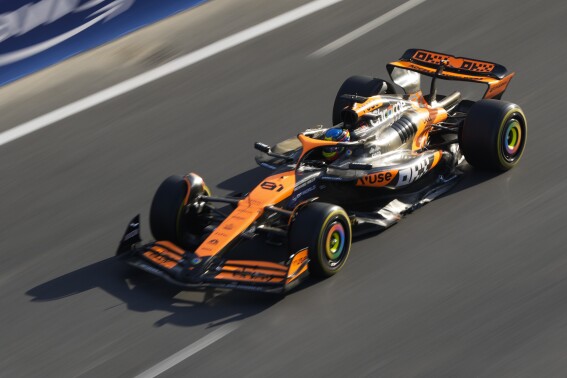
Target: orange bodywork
x=497, y=87
x=165, y=254
x=368, y=106
x=253, y=271
x=271, y=191
x=429, y=117
x=298, y=265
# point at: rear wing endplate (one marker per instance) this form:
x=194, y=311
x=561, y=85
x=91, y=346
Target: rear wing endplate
x=426, y=62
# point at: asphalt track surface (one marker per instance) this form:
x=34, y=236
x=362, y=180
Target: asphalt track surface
x=472, y=285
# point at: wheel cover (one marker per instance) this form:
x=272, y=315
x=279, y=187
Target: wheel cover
x=335, y=243
x=512, y=140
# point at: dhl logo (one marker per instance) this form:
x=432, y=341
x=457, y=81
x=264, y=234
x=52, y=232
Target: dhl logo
x=461, y=63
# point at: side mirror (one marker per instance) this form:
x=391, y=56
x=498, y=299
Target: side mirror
x=262, y=147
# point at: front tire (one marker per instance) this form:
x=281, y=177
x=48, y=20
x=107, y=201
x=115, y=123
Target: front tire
x=326, y=230
x=494, y=135
x=168, y=220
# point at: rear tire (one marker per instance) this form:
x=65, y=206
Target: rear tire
x=494, y=135
x=362, y=86
x=326, y=230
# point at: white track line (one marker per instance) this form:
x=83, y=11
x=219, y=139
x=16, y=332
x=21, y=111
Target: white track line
x=187, y=352
x=168, y=68
x=366, y=28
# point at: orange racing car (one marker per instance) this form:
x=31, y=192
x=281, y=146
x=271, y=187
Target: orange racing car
x=387, y=154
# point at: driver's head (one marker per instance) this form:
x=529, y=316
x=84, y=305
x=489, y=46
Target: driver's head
x=336, y=135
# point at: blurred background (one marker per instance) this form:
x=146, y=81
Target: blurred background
x=471, y=285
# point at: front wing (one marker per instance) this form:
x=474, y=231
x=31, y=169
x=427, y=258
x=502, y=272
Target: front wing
x=185, y=269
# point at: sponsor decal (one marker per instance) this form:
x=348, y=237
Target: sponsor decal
x=374, y=151
x=246, y=274
x=247, y=210
x=429, y=57
x=408, y=175
x=466, y=64
x=301, y=194
x=297, y=195
x=499, y=87
x=268, y=185
x=416, y=67
x=254, y=202
x=304, y=183
x=392, y=111
x=477, y=66
x=332, y=178
x=404, y=176
x=376, y=179
x=160, y=259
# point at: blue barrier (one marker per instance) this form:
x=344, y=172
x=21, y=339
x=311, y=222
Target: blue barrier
x=35, y=34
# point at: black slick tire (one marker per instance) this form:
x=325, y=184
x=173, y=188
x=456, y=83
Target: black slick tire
x=494, y=135
x=362, y=86
x=166, y=211
x=326, y=230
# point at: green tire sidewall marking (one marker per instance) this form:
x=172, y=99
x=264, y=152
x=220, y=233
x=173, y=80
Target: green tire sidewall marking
x=321, y=240
x=503, y=128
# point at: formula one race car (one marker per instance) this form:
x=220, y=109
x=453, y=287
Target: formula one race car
x=386, y=155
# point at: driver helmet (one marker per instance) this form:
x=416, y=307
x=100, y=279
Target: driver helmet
x=335, y=135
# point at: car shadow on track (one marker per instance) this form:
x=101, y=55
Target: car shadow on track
x=142, y=292
x=471, y=177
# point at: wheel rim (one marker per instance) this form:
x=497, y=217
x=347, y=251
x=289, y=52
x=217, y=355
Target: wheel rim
x=512, y=140
x=335, y=243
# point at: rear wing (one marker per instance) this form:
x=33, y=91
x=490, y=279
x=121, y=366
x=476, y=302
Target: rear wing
x=427, y=63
